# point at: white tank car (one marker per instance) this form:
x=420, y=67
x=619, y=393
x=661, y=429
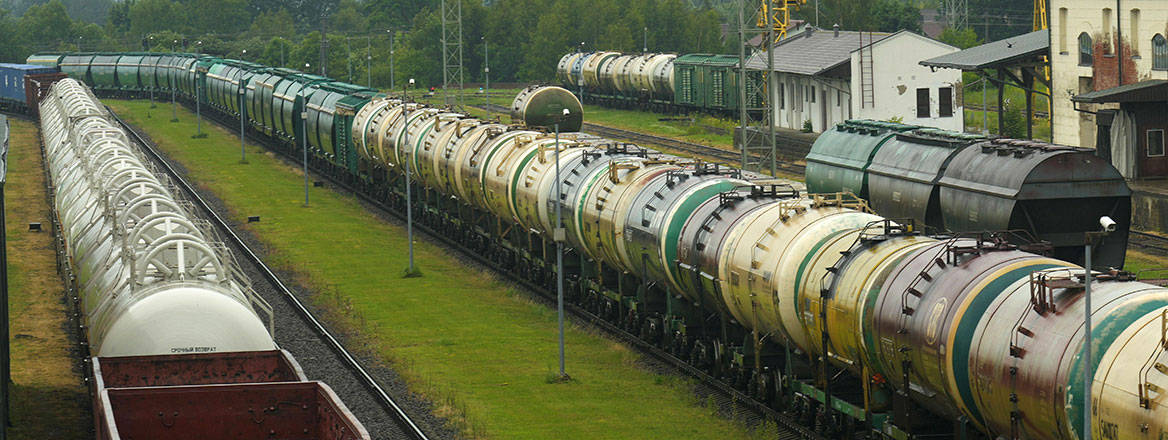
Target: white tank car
x=151, y=278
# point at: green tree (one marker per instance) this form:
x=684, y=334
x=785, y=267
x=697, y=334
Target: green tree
x=276, y=23
x=11, y=44
x=959, y=38
x=47, y=26
x=217, y=16
x=147, y=16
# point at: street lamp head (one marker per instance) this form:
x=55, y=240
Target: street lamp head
x=411, y=82
x=567, y=112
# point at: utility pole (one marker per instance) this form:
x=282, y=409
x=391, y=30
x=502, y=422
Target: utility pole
x=487, y=73
x=410, y=271
x=755, y=105
x=392, y=34
x=369, y=61
x=323, y=44
x=560, y=235
x=242, y=127
x=452, y=49
x=304, y=139
x=349, y=57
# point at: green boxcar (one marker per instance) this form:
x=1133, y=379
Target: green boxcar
x=686, y=72
x=346, y=108
x=321, y=108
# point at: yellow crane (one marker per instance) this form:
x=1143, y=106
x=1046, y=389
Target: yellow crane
x=1040, y=22
x=776, y=14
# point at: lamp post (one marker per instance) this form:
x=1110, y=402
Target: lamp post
x=645, y=46
x=155, y=84
x=198, y=104
x=304, y=138
x=391, y=61
x=368, y=61
x=1107, y=225
x=559, y=235
x=410, y=271
x=487, y=73
x=243, y=55
x=242, y=127
x=349, y=57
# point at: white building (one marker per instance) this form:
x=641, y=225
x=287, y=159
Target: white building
x=829, y=76
x=1084, y=37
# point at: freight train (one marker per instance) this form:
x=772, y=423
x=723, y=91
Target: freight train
x=182, y=346
x=968, y=182
x=810, y=303
x=660, y=82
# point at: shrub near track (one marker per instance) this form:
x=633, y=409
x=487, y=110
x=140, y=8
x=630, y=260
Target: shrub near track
x=480, y=351
x=49, y=399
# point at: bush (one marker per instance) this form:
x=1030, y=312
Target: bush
x=1014, y=124
x=807, y=127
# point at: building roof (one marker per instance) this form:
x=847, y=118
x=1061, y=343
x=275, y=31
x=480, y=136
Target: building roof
x=814, y=51
x=1008, y=51
x=1152, y=90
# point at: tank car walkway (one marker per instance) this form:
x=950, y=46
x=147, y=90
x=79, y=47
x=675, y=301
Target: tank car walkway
x=482, y=353
x=49, y=399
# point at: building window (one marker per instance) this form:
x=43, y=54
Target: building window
x=812, y=92
x=1135, y=33
x=1155, y=143
x=1062, y=23
x=1085, y=49
x=1159, y=52
x=1107, y=31
x=839, y=98
x=782, y=97
x=945, y=102
x=922, y=103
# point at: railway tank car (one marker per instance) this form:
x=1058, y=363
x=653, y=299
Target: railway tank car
x=172, y=325
x=150, y=281
x=966, y=182
x=776, y=292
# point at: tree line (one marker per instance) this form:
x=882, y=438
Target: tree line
x=522, y=38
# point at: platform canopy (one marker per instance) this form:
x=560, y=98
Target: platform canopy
x=1014, y=61
x=1012, y=52
x=1152, y=90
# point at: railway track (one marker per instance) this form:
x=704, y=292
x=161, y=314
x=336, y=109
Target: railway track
x=672, y=145
x=297, y=330
x=1153, y=243
x=739, y=405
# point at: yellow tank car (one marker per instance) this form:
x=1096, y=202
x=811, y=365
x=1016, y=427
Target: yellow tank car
x=607, y=206
x=432, y=145
x=533, y=191
x=468, y=160
x=763, y=259
x=504, y=157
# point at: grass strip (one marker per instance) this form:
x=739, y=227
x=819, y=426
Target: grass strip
x=485, y=354
x=49, y=399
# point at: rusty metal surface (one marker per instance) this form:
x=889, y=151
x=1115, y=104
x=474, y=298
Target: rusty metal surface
x=286, y=410
x=840, y=156
x=196, y=369
x=1054, y=192
x=902, y=178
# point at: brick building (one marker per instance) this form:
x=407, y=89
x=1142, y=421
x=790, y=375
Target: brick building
x=1092, y=42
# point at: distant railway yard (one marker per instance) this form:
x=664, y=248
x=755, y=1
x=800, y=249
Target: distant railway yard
x=892, y=228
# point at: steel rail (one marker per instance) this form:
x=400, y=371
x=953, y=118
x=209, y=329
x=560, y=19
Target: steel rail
x=407, y=424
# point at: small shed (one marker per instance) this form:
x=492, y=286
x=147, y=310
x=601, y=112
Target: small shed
x=1133, y=137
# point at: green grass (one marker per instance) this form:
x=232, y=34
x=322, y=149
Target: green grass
x=482, y=352
x=699, y=129
x=48, y=396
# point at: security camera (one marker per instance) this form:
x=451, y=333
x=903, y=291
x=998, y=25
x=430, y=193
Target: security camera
x=1107, y=224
